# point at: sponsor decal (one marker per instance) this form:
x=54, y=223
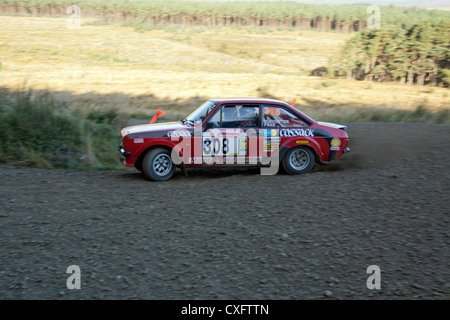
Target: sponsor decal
x=335, y=143
x=242, y=146
x=272, y=111
x=271, y=140
x=273, y=123
x=179, y=133
x=195, y=160
x=231, y=142
x=296, y=132
x=302, y=141
x=138, y=140
x=270, y=132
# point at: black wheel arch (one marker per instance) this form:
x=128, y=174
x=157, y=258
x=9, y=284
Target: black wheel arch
x=138, y=163
x=284, y=150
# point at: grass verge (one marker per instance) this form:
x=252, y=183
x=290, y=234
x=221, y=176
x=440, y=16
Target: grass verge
x=36, y=132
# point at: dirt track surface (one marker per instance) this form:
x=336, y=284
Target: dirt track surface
x=234, y=234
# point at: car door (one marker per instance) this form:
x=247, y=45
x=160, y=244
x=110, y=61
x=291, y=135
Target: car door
x=230, y=135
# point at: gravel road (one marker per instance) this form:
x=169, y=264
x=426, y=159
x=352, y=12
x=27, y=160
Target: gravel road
x=234, y=234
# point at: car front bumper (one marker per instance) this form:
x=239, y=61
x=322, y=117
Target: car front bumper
x=123, y=152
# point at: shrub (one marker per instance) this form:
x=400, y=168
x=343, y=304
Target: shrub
x=38, y=133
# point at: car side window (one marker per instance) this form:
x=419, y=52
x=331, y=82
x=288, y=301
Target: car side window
x=249, y=116
x=235, y=116
x=230, y=116
x=214, y=122
x=278, y=117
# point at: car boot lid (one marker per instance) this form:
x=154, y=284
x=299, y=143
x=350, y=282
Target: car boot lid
x=332, y=125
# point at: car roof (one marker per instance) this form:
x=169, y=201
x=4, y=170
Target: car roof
x=251, y=100
x=259, y=100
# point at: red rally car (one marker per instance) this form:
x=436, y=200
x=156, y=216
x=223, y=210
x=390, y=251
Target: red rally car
x=234, y=132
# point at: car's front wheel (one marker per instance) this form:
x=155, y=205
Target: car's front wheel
x=157, y=165
x=298, y=160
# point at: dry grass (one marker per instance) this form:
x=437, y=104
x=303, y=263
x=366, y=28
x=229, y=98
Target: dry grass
x=105, y=66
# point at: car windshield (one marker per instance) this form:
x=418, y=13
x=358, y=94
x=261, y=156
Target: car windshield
x=201, y=112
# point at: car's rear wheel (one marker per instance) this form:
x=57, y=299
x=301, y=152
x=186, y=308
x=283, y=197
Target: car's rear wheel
x=157, y=165
x=298, y=160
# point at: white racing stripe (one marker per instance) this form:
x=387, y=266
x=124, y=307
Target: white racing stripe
x=332, y=125
x=153, y=127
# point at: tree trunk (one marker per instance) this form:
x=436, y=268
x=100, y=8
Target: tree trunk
x=434, y=76
x=421, y=79
x=349, y=74
x=410, y=76
x=367, y=71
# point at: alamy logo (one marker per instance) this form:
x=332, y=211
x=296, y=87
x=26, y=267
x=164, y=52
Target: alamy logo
x=374, y=281
x=74, y=21
x=74, y=281
x=374, y=21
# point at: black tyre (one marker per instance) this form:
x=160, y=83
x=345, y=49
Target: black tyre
x=138, y=166
x=157, y=165
x=298, y=160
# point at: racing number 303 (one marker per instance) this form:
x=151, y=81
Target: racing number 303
x=272, y=111
x=215, y=146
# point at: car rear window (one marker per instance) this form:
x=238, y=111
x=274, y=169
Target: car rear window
x=279, y=117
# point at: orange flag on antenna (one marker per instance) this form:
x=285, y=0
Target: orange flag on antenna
x=158, y=114
x=293, y=102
